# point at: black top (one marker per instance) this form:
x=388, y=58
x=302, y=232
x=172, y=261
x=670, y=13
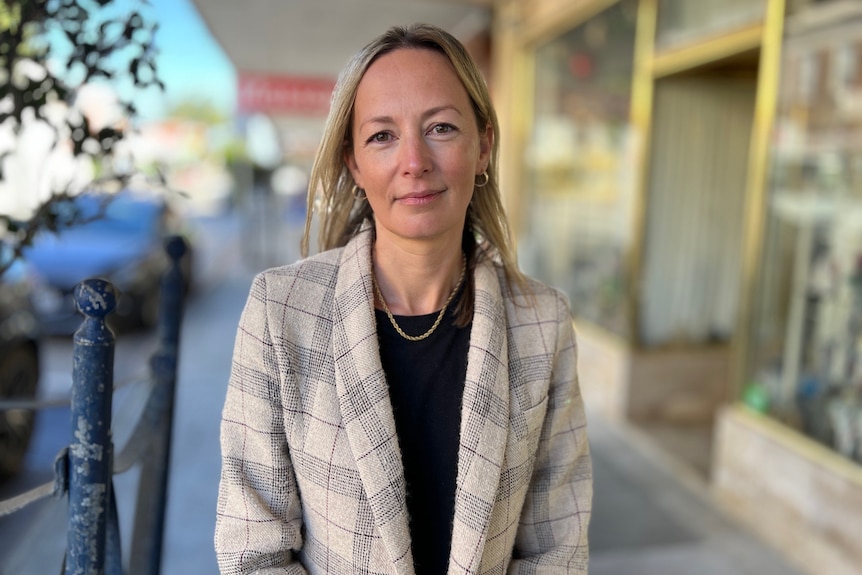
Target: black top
x=426, y=385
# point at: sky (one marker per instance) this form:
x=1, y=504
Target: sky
x=190, y=62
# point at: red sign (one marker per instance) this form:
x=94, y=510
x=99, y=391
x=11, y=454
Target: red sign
x=284, y=94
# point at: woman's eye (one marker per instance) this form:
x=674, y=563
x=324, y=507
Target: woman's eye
x=378, y=137
x=443, y=128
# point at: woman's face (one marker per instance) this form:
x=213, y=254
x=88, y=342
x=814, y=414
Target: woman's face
x=416, y=147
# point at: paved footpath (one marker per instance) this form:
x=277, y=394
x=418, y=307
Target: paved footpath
x=654, y=516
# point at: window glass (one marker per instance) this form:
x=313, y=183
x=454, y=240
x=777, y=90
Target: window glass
x=806, y=366
x=580, y=166
x=686, y=21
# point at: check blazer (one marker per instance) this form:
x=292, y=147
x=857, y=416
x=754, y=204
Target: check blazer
x=312, y=480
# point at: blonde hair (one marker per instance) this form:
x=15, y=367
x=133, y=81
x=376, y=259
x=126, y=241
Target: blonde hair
x=330, y=195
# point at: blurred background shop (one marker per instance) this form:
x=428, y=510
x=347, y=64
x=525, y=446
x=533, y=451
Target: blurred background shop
x=689, y=172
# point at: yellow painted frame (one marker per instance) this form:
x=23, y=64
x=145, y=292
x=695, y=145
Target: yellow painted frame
x=513, y=72
x=641, y=118
x=684, y=58
x=766, y=106
x=570, y=15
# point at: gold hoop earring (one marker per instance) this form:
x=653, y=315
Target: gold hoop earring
x=358, y=193
x=484, y=182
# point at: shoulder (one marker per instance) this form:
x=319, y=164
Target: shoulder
x=539, y=321
x=546, y=301
x=307, y=278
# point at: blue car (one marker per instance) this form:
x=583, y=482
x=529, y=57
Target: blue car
x=19, y=361
x=122, y=241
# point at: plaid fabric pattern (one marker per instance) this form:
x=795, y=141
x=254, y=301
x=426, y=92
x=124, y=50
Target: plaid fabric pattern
x=311, y=475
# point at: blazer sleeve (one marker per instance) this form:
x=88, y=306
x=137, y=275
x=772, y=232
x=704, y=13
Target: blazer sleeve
x=552, y=533
x=258, y=516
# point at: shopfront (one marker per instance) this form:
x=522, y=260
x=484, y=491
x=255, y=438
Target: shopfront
x=634, y=142
x=800, y=466
x=688, y=172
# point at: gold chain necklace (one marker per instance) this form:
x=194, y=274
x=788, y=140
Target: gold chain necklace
x=439, y=315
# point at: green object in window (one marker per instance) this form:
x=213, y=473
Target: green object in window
x=756, y=397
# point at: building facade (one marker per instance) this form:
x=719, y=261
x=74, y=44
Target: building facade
x=688, y=172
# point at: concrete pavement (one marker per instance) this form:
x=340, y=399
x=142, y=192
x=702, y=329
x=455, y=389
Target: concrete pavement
x=652, y=515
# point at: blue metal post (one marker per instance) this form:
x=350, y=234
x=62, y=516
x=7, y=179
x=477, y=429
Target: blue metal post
x=90, y=451
x=146, y=552
x=113, y=543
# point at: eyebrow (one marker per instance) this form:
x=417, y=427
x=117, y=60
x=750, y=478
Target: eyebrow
x=428, y=113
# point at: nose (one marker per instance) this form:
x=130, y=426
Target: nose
x=415, y=156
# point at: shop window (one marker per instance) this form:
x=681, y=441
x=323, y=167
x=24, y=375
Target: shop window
x=580, y=166
x=806, y=367
x=685, y=21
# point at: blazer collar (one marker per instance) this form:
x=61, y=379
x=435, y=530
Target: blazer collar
x=370, y=424
x=484, y=423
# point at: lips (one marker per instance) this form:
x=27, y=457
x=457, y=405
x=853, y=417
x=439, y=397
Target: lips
x=420, y=196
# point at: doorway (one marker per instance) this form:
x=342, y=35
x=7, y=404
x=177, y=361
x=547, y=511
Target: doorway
x=692, y=252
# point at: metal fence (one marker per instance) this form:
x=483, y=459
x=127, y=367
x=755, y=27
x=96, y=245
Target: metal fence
x=84, y=470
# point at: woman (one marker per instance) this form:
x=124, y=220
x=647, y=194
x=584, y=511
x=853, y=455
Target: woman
x=405, y=401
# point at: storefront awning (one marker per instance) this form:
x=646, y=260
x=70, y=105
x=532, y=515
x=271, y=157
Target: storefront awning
x=315, y=38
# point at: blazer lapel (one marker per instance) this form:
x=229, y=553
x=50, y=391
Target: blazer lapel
x=364, y=401
x=484, y=424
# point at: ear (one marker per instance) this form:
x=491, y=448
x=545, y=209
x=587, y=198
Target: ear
x=486, y=144
x=350, y=162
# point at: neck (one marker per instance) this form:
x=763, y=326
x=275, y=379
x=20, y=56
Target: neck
x=413, y=284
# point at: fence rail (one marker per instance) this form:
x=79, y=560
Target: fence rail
x=84, y=470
